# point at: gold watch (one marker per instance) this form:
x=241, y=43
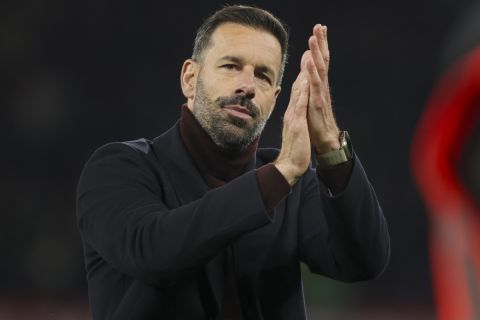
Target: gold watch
x=334, y=157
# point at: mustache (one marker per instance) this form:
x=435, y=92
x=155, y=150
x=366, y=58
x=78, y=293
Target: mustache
x=241, y=101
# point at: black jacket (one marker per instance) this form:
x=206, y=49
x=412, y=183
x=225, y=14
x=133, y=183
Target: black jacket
x=153, y=233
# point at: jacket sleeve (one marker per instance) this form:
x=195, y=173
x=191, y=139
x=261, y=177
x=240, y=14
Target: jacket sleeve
x=344, y=236
x=121, y=215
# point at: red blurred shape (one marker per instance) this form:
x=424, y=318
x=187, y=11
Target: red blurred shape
x=442, y=134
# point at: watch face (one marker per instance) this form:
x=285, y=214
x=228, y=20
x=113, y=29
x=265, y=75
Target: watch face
x=346, y=144
x=343, y=139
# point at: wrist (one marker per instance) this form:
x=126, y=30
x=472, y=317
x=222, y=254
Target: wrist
x=324, y=143
x=288, y=172
x=323, y=148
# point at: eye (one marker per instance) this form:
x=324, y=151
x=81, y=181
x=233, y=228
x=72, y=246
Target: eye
x=264, y=77
x=229, y=66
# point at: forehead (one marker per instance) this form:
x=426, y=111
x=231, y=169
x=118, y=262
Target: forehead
x=254, y=45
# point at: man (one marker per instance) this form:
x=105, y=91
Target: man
x=199, y=223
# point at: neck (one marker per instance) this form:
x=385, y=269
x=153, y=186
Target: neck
x=216, y=165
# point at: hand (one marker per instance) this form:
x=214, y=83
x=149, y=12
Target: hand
x=295, y=152
x=322, y=126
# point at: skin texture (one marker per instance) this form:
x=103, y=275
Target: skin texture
x=247, y=77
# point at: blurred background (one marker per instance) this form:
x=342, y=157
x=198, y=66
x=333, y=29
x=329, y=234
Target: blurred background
x=77, y=74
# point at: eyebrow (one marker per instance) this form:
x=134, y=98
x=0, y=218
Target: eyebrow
x=261, y=68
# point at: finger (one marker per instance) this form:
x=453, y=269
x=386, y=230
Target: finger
x=320, y=33
x=295, y=93
x=319, y=98
x=317, y=57
x=306, y=55
x=320, y=66
x=297, y=85
x=317, y=90
x=302, y=102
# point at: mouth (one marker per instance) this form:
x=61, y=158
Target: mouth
x=238, y=111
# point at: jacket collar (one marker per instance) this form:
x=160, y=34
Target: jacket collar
x=182, y=171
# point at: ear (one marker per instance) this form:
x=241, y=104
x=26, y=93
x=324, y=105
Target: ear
x=277, y=91
x=188, y=78
x=275, y=96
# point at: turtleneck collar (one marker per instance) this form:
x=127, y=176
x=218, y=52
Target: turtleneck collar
x=216, y=165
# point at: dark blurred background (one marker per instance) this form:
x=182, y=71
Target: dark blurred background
x=77, y=74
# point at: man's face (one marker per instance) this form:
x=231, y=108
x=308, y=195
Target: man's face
x=236, y=87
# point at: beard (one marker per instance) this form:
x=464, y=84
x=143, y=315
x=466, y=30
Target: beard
x=227, y=131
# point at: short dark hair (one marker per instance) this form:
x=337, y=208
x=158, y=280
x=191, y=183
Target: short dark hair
x=245, y=15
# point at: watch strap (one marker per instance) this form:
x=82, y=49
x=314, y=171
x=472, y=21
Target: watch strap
x=335, y=157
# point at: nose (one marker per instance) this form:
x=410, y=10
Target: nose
x=246, y=86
